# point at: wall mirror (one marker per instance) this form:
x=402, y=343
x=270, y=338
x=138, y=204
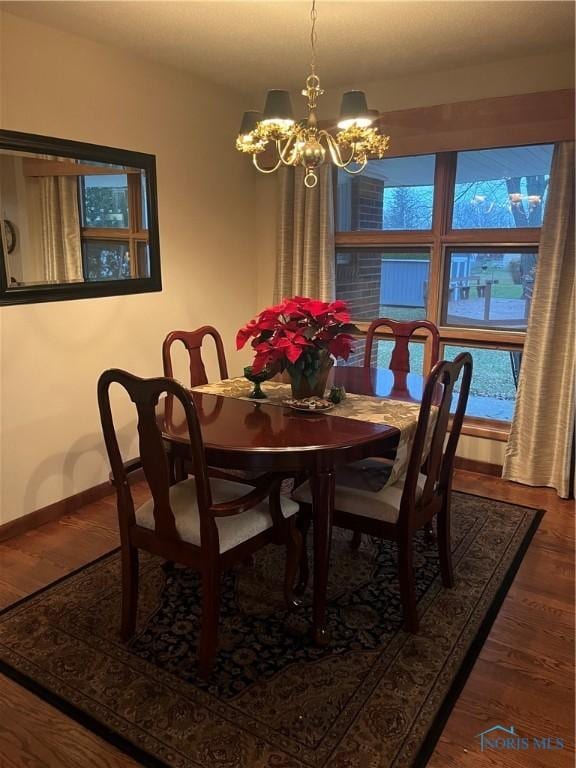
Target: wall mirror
x=76, y=220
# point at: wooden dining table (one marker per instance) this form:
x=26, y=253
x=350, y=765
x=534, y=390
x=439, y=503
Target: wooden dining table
x=263, y=437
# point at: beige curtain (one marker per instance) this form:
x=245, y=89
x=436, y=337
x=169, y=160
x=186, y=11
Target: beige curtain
x=61, y=245
x=305, y=254
x=539, y=450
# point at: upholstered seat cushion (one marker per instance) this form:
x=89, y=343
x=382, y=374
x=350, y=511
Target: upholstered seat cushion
x=352, y=493
x=232, y=530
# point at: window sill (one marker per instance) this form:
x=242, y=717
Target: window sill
x=487, y=429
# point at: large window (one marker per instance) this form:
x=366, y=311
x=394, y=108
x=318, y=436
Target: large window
x=454, y=238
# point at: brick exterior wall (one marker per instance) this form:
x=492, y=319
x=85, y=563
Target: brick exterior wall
x=358, y=283
x=358, y=273
x=366, y=201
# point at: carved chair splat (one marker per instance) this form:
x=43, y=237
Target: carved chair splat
x=403, y=332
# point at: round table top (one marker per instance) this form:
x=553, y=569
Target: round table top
x=255, y=433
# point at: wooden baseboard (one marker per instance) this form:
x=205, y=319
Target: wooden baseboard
x=64, y=506
x=482, y=467
x=78, y=500
x=54, y=511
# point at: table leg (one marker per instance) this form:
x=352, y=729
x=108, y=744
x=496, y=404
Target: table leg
x=322, y=486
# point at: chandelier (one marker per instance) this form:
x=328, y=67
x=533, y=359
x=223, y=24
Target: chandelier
x=304, y=143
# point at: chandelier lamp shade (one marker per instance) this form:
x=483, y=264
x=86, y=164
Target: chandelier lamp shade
x=304, y=143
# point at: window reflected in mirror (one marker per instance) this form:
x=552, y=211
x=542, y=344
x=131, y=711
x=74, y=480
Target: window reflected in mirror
x=105, y=201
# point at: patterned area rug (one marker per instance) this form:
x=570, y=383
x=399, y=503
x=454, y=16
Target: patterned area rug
x=376, y=697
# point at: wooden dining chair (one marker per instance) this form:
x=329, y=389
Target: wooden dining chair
x=399, y=363
x=396, y=512
x=193, y=342
x=203, y=523
x=403, y=332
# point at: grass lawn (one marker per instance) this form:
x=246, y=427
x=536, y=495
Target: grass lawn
x=505, y=288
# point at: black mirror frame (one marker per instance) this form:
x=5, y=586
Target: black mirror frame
x=27, y=142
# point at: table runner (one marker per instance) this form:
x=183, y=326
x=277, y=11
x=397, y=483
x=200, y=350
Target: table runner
x=378, y=410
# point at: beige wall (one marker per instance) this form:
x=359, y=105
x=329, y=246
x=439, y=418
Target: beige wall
x=51, y=354
x=529, y=74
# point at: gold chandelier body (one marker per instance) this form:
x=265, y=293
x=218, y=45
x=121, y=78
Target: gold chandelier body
x=304, y=143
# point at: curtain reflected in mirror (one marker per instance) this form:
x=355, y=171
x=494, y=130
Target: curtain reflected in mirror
x=60, y=240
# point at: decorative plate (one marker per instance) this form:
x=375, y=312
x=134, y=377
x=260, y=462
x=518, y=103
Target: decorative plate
x=310, y=404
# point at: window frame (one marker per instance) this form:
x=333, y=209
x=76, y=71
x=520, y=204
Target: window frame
x=440, y=240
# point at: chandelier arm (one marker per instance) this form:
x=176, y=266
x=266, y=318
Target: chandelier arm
x=335, y=152
x=285, y=158
x=265, y=170
x=358, y=170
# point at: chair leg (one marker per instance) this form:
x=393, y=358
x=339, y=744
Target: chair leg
x=293, y=558
x=304, y=577
x=129, y=591
x=171, y=469
x=444, y=543
x=179, y=470
x=429, y=534
x=356, y=540
x=209, y=621
x=407, y=584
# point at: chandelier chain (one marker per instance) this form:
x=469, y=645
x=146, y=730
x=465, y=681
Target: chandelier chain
x=313, y=36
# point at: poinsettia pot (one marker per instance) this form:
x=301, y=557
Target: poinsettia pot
x=309, y=375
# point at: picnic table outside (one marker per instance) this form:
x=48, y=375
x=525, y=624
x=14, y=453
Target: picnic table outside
x=484, y=309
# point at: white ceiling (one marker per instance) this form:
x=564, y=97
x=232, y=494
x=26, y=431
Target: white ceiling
x=250, y=45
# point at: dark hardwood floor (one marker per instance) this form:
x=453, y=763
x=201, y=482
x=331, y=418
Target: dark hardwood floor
x=523, y=676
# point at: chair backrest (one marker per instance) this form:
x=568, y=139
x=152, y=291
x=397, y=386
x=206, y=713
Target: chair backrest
x=436, y=402
x=193, y=341
x=145, y=394
x=400, y=359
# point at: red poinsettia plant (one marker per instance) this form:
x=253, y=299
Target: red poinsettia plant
x=300, y=335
